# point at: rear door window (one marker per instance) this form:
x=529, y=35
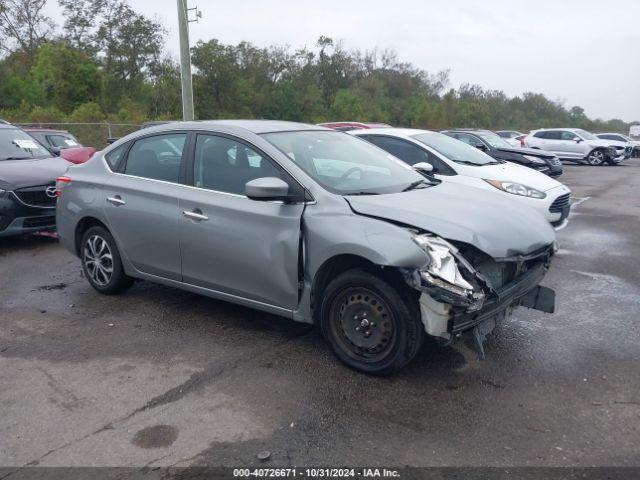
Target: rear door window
x=157, y=157
x=114, y=156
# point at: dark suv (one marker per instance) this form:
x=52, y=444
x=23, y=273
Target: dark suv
x=498, y=148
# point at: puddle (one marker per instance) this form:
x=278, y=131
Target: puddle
x=158, y=436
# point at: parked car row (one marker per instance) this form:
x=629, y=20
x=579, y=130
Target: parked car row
x=576, y=145
x=498, y=148
x=319, y=226
x=382, y=236
x=460, y=163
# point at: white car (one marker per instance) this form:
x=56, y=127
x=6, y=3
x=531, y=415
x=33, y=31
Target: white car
x=630, y=145
x=577, y=145
x=457, y=162
x=512, y=137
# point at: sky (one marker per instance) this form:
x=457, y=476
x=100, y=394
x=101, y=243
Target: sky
x=584, y=53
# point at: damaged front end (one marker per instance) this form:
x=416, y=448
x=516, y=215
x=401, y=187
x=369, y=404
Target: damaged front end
x=465, y=290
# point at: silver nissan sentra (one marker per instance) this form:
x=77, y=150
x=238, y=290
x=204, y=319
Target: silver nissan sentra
x=310, y=224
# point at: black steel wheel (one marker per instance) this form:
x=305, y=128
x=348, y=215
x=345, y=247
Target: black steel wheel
x=371, y=326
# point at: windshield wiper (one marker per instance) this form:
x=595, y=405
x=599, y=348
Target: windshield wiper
x=16, y=158
x=362, y=193
x=416, y=184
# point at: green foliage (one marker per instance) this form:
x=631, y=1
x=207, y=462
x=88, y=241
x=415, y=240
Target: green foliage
x=66, y=77
x=108, y=65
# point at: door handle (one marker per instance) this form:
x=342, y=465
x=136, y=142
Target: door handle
x=195, y=215
x=117, y=201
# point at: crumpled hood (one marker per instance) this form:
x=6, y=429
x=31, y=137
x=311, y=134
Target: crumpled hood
x=528, y=151
x=29, y=173
x=464, y=214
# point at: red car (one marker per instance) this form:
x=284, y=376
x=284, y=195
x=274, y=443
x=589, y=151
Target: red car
x=346, y=126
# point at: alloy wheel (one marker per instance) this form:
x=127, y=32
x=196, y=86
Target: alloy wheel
x=596, y=158
x=98, y=260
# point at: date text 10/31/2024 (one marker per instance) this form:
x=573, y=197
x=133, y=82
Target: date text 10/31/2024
x=315, y=473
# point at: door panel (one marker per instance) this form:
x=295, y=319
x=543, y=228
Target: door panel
x=245, y=248
x=570, y=147
x=146, y=224
x=232, y=244
x=142, y=206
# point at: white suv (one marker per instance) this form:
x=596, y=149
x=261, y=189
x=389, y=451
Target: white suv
x=576, y=145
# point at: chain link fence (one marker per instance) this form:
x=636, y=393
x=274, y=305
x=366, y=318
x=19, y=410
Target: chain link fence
x=93, y=134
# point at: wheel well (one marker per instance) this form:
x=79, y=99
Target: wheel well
x=341, y=263
x=83, y=225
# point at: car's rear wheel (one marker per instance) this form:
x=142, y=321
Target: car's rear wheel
x=371, y=326
x=596, y=157
x=101, y=262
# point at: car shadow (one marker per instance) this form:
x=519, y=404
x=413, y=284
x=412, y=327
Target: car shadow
x=26, y=242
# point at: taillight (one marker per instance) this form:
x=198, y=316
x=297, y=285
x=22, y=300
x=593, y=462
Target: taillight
x=60, y=182
x=522, y=144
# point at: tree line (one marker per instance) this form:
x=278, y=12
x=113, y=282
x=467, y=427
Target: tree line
x=107, y=62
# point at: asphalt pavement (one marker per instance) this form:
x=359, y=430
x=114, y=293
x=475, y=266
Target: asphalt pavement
x=161, y=377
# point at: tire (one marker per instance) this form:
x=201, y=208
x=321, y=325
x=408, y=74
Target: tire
x=371, y=326
x=596, y=157
x=101, y=262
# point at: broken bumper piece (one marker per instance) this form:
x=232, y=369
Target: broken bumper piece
x=523, y=291
x=448, y=311
x=445, y=292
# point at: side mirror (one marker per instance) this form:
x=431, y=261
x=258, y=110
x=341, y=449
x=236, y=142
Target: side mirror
x=267, y=188
x=578, y=139
x=481, y=146
x=55, y=151
x=423, y=167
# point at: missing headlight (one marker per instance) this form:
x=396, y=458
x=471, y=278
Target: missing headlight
x=441, y=277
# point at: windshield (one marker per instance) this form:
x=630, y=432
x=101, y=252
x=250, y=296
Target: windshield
x=63, y=141
x=453, y=149
x=496, y=141
x=344, y=164
x=585, y=135
x=18, y=145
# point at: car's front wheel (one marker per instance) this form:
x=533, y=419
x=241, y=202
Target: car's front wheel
x=596, y=157
x=371, y=325
x=101, y=262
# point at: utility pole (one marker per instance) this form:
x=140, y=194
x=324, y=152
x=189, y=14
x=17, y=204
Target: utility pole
x=185, y=62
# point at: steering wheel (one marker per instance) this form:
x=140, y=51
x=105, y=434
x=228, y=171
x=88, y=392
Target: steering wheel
x=350, y=171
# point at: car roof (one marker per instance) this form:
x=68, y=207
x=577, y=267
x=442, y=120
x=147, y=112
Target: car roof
x=395, y=132
x=558, y=128
x=254, y=126
x=44, y=130
x=470, y=130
